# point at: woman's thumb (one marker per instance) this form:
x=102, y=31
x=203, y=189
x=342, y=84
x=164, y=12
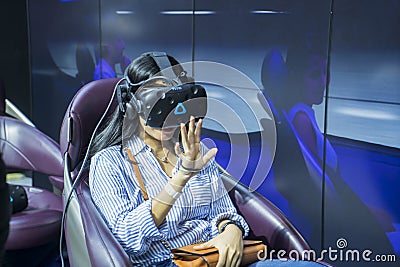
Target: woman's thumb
x=203, y=246
x=210, y=154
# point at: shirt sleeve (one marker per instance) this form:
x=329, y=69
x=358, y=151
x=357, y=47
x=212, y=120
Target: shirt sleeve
x=130, y=220
x=222, y=207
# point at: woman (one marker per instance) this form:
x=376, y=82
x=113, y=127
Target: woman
x=187, y=201
x=307, y=82
x=308, y=77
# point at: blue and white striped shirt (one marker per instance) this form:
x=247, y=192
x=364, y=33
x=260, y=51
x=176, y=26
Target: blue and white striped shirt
x=193, y=218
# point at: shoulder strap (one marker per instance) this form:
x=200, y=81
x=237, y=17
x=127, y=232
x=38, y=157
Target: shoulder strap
x=138, y=174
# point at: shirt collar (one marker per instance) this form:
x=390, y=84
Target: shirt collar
x=137, y=145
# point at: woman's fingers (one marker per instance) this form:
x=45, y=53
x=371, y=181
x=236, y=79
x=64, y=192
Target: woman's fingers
x=229, y=257
x=190, y=141
x=204, y=245
x=178, y=151
x=197, y=131
x=209, y=155
x=191, y=138
x=191, y=154
x=229, y=254
x=236, y=259
x=222, y=258
x=184, y=137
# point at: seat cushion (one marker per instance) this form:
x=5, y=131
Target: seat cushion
x=39, y=223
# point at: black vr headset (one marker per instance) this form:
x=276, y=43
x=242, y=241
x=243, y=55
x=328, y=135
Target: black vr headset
x=163, y=101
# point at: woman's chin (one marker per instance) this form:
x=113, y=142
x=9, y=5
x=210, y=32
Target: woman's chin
x=167, y=134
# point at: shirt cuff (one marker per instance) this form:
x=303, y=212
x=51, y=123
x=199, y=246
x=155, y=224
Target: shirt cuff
x=232, y=217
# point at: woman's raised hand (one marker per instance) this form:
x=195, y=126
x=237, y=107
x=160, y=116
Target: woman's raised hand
x=192, y=159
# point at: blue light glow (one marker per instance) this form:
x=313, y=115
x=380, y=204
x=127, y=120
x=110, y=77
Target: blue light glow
x=187, y=12
x=124, y=12
x=268, y=12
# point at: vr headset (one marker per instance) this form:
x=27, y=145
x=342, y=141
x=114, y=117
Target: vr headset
x=163, y=101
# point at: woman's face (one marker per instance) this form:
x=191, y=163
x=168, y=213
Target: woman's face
x=315, y=80
x=161, y=134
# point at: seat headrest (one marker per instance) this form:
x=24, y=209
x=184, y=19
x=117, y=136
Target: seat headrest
x=274, y=75
x=26, y=148
x=82, y=116
x=85, y=63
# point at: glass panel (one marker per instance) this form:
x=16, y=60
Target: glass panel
x=363, y=128
x=145, y=26
x=366, y=72
x=267, y=40
x=66, y=51
x=58, y=31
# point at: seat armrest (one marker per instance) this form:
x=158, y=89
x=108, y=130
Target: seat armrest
x=264, y=218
